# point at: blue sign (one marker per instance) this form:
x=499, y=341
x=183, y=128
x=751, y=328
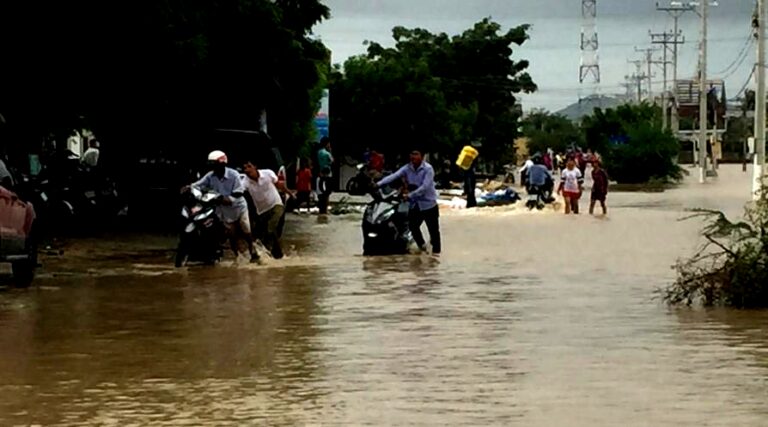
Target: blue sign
x=322, y=124
x=322, y=121
x=619, y=139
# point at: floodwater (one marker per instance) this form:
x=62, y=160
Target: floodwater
x=529, y=318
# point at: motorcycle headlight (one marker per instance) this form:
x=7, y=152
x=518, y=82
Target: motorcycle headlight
x=203, y=215
x=385, y=216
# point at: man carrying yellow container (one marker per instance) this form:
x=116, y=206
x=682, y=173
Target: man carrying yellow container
x=466, y=161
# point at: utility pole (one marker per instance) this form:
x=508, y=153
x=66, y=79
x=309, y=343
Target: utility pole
x=760, y=121
x=669, y=41
x=663, y=64
x=628, y=88
x=638, y=78
x=649, y=62
x=703, y=93
x=676, y=9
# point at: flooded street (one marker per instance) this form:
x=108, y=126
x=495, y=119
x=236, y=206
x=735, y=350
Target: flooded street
x=529, y=318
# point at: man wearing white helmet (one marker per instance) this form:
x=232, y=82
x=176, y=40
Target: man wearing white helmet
x=233, y=210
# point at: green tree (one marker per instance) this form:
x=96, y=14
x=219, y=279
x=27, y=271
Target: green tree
x=546, y=130
x=634, y=146
x=162, y=74
x=433, y=89
x=389, y=103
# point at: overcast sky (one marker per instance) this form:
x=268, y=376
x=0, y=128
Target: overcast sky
x=554, y=46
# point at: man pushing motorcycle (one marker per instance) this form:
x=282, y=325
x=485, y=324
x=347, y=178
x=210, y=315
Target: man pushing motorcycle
x=233, y=209
x=420, y=176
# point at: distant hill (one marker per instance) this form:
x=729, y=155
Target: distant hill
x=586, y=106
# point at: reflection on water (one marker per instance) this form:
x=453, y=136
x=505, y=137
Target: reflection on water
x=527, y=319
x=196, y=345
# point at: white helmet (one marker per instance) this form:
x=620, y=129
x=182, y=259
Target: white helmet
x=217, y=156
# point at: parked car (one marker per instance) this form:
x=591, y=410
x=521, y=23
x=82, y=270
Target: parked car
x=17, y=246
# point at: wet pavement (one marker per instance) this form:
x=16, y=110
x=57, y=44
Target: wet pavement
x=528, y=318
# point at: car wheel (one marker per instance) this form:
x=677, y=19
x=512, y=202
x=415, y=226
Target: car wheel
x=24, y=271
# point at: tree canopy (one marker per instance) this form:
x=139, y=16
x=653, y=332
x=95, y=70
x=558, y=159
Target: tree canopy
x=161, y=73
x=546, y=130
x=432, y=90
x=634, y=146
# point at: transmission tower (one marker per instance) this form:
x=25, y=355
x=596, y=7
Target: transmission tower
x=589, y=71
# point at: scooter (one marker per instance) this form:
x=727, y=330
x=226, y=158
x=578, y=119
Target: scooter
x=385, y=225
x=55, y=211
x=358, y=185
x=200, y=237
x=539, y=195
x=510, y=170
x=96, y=197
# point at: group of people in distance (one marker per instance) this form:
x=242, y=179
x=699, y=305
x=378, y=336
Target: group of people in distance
x=572, y=175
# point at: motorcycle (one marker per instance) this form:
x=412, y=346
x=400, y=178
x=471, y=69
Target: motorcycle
x=53, y=207
x=510, y=171
x=200, y=237
x=98, y=197
x=358, y=185
x=539, y=195
x=385, y=225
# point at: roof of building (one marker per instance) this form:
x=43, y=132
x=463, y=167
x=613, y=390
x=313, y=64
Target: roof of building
x=586, y=106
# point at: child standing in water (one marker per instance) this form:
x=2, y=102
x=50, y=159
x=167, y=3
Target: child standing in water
x=599, y=188
x=571, y=182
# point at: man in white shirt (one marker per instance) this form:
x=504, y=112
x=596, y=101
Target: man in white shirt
x=264, y=188
x=91, y=155
x=524, y=172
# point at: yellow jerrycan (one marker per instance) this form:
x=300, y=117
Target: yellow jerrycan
x=466, y=157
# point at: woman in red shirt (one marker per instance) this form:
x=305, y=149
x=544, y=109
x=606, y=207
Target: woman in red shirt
x=303, y=184
x=375, y=165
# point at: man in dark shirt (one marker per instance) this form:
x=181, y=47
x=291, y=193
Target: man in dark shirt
x=599, y=187
x=540, y=180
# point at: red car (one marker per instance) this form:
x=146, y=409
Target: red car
x=16, y=245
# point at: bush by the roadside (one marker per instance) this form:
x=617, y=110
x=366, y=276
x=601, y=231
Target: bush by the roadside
x=634, y=145
x=647, y=156
x=731, y=269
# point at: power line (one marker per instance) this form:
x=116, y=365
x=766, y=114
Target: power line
x=746, y=84
x=532, y=45
x=735, y=69
x=741, y=56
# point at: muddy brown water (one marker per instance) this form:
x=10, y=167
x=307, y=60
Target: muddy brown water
x=530, y=319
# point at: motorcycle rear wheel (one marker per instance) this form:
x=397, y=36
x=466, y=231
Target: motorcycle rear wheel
x=181, y=254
